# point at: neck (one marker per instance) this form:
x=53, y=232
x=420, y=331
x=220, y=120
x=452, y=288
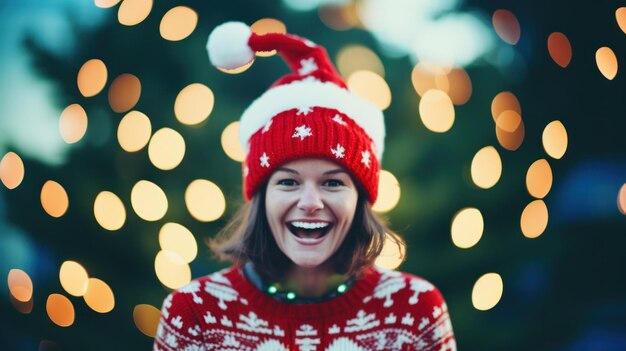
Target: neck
x=311, y=282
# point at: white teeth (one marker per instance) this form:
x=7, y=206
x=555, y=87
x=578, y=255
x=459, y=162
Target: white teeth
x=310, y=225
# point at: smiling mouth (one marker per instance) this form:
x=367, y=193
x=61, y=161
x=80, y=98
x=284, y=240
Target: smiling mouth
x=309, y=230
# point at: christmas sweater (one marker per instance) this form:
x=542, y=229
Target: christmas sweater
x=383, y=310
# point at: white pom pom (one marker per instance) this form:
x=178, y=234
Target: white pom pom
x=228, y=45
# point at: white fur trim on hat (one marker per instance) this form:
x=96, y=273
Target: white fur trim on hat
x=228, y=45
x=312, y=93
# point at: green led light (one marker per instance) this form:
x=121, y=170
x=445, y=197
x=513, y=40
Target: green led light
x=291, y=296
x=272, y=289
x=342, y=288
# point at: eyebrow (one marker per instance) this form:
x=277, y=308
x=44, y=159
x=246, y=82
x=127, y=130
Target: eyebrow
x=293, y=171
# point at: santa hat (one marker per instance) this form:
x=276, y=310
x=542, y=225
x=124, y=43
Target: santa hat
x=309, y=113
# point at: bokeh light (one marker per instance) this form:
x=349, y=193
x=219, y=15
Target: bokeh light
x=171, y=269
x=502, y=102
x=511, y=140
x=22, y=307
x=388, y=192
x=560, y=49
x=607, y=62
x=73, y=123
x=268, y=25
x=487, y=291
x=620, y=16
x=539, y=179
x=194, y=104
x=554, y=139
x=146, y=319
x=99, y=296
x=339, y=17
x=11, y=170
x=20, y=285
x=92, y=77
x=392, y=254
x=460, y=84
x=436, y=111
x=352, y=58
x=60, y=310
x=621, y=199
x=134, y=131
x=486, y=167
x=230, y=142
x=148, y=201
x=109, y=211
x=124, y=92
x=106, y=3
x=467, y=227
x=133, y=12
x=236, y=70
x=371, y=87
x=178, y=239
x=534, y=219
x=426, y=76
x=205, y=201
x=506, y=26
x=54, y=199
x=166, y=149
x=73, y=278
x=509, y=121
x=178, y=23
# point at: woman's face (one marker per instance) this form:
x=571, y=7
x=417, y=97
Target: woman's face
x=310, y=204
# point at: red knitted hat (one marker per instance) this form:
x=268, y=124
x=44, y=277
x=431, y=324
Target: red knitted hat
x=308, y=113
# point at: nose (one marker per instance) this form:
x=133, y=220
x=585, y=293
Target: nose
x=310, y=199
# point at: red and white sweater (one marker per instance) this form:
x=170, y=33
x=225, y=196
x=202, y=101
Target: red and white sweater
x=384, y=310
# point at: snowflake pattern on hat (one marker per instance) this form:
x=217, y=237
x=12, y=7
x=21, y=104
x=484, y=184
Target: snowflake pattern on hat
x=307, y=66
x=264, y=160
x=365, y=158
x=339, y=151
x=302, y=132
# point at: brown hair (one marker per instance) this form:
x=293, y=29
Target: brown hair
x=247, y=237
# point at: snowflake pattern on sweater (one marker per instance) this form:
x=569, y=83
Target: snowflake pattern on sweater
x=383, y=310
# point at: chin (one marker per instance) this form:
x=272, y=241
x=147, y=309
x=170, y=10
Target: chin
x=307, y=262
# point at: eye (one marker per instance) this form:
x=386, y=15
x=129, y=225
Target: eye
x=333, y=183
x=286, y=182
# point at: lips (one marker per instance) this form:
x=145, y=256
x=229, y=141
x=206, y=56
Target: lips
x=309, y=232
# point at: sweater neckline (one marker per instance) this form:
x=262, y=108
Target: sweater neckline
x=347, y=302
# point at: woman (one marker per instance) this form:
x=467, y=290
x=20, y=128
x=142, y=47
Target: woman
x=305, y=243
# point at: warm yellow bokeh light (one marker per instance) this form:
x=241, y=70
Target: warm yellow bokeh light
x=371, y=87
x=511, y=140
x=607, y=62
x=554, y=139
x=54, y=199
x=106, y=3
x=436, y=111
x=268, y=25
x=166, y=149
x=134, y=131
x=20, y=285
x=205, y=201
x=502, y=102
x=621, y=199
x=124, y=92
x=620, y=16
x=178, y=23
x=392, y=255
x=11, y=170
x=539, y=179
x=339, y=17
x=176, y=238
x=148, y=201
x=486, y=167
x=388, y=192
x=560, y=49
x=194, y=104
x=73, y=123
x=230, y=142
x=506, y=26
x=509, y=121
x=534, y=219
x=99, y=296
x=171, y=269
x=426, y=76
x=73, y=278
x=92, y=77
x=146, y=319
x=109, y=211
x=132, y=12
x=487, y=291
x=60, y=310
x=460, y=84
x=467, y=227
x=354, y=58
